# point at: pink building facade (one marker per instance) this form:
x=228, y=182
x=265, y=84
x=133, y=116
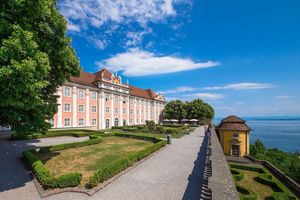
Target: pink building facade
x=102, y=100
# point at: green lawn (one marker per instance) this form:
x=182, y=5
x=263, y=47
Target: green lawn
x=86, y=160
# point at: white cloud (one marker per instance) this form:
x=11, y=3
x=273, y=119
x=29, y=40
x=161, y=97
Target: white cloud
x=98, y=43
x=137, y=62
x=73, y=27
x=284, y=97
x=205, y=96
x=135, y=38
x=242, y=86
x=179, y=90
x=104, y=14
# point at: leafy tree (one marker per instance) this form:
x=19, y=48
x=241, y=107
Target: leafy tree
x=197, y=109
x=289, y=163
x=259, y=147
x=35, y=59
x=175, y=110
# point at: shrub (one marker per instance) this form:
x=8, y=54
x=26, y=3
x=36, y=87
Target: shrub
x=246, y=167
x=171, y=130
x=161, y=129
x=55, y=133
x=150, y=124
x=106, y=172
x=116, y=127
x=130, y=129
x=139, y=137
x=45, y=178
x=246, y=193
x=94, y=139
x=237, y=175
x=282, y=196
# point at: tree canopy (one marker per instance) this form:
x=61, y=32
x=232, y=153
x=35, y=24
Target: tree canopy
x=289, y=163
x=196, y=109
x=35, y=59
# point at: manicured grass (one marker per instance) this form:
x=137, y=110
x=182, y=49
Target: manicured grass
x=86, y=160
x=262, y=191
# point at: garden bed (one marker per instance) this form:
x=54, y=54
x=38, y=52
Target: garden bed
x=258, y=183
x=86, y=164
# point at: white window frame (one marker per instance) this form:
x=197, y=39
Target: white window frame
x=94, y=111
x=94, y=95
x=116, y=110
x=107, y=109
x=65, y=107
x=116, y=99
x=65, y=122
x=79, y=106
x=94, y=122
x=79, y=94
x=66, y=88
x=107, y=96
x=80, y=120
x=124, y=111
x=131, y=111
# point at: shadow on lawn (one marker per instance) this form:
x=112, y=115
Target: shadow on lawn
x=197, y=187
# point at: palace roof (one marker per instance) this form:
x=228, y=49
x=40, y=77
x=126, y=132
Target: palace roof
x=233, y=123
x=90, y=79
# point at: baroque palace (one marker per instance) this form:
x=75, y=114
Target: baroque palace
x=101, y=100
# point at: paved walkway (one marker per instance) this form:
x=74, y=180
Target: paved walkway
x=15, y=182
x=173, y=173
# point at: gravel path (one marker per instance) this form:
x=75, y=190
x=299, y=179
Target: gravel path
x=173, y=173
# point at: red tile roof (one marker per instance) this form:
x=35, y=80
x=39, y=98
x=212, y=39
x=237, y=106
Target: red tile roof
x=135, y=91
x=85, y=78
x=233, y=123
x=90, y=79
x=233, y=118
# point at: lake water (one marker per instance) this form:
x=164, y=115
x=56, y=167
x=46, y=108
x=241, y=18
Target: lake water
x=281, y=134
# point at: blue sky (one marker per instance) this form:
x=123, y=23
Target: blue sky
x=243, y=57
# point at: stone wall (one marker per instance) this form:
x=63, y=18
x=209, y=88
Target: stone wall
x=221, y=181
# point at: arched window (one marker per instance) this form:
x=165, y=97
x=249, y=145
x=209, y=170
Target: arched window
x=107, y=123
x=116, y=122
x=124, y=122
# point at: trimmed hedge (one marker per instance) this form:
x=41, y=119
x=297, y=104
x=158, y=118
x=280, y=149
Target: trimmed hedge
x=106, y=172
x=139, y=137
x=245, y=167
x=94, y=139
x=246, y=193
x=237, y=175
x=45, y=178
x=266, y=178
x=56, y=133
